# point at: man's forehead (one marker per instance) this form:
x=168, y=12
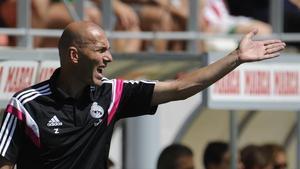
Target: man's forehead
x=100, y=45
x=96, y=37
x=96, y=31
x=94, y=44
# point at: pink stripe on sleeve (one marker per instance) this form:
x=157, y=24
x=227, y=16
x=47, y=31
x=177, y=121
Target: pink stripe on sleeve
x=117, y=95
x=35, y=139
x=11, y=109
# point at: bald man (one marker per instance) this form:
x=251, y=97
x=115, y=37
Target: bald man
x=67, y=121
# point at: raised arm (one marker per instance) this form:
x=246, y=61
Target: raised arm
x=192, y=83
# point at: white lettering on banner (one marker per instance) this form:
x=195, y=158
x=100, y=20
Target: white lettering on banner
x=16, y=75
x=1, y=73
x=47, y=68
x=257, y=82
x=18, y=78
x=45, y=73
x=230, y=84
x=269, y=85
x=286, y=83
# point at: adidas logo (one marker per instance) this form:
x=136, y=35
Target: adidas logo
x=54, y=122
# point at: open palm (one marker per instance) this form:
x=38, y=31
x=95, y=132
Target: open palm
x=250, y=50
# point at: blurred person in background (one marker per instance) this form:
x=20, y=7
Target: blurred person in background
x=253, y=157
x=8, y=18
x=296, y=2
x=260, y=10
x=275, y=155
x=291, y=19
x=161, y=16
x=58, y=17
x=176, y=156
x=180, y=13
x=216, y=155
x=153, y=17
x=127, y=20
x=257, y=9
x=4, y=41
x=110, y=164
x=179, y=10
x=215, y=18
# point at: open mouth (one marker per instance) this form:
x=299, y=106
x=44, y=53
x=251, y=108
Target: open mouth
x=99, y=70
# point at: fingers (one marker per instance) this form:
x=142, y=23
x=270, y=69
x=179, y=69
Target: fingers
x=252, y=33
x=272, y=55
x=268, y=42
x=275, y=47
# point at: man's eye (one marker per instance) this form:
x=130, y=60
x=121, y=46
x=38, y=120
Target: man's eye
x=101, y=50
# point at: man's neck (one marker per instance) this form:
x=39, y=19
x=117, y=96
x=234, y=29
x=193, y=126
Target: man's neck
x=70, y=84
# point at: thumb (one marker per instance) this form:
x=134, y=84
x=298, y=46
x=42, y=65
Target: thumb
x=251, y=34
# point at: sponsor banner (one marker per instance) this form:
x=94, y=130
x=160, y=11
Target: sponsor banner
x=46, y=70
x=270, y=85
x=259, y=82
x=15, y=76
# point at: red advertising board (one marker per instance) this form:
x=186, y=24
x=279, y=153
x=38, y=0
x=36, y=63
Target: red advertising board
x=46, y=70
x=259, y=82
x=15, y=76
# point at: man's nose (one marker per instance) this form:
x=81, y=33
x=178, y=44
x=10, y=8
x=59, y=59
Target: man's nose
x=108, y=57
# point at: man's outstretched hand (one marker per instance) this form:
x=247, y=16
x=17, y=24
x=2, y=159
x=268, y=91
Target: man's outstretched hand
x=250, y=50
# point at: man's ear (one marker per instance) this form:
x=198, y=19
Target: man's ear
x=73, y=54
